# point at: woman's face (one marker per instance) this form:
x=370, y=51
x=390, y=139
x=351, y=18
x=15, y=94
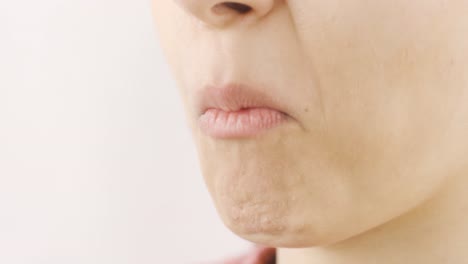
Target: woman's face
x=375, y=99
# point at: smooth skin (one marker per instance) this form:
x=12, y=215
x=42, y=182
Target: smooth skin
x=374, y=166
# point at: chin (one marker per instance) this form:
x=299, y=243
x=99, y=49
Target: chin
x=288, y=236
x=275, y=224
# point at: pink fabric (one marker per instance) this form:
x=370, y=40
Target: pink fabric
x=258, y=255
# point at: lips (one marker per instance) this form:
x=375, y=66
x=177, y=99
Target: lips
x=238, y=111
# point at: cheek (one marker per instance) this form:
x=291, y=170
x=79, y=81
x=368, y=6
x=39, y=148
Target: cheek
x=388, y=71
x=175, y=29
x=182, y=45
x=392, y=86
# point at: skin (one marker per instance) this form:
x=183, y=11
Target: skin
x=373, y=165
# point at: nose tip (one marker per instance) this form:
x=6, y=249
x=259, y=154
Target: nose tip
x=219, y=13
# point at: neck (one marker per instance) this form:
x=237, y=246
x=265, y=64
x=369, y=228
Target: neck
x=434, y=232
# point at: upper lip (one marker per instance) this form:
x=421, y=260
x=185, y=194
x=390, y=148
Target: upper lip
x=234, y=97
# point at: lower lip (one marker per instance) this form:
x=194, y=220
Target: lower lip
x=239, y=124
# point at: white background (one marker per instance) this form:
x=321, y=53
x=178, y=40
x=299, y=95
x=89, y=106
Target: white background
x=96, y=162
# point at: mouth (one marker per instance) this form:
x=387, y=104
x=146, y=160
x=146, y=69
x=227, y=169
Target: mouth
x=238, y=111
x=247, y=122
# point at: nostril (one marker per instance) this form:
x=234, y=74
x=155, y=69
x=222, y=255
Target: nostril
x=239, y=8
